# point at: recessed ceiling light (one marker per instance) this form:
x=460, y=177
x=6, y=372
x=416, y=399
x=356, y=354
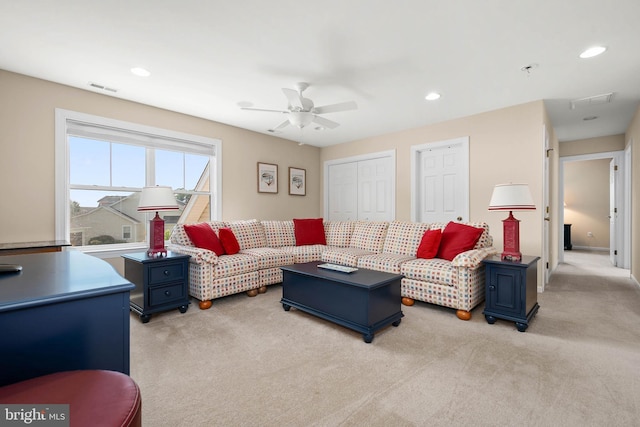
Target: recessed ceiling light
x=592, y=51
x=140, y=72
x=432, y=96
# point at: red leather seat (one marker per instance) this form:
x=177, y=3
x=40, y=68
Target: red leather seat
x=95, y=397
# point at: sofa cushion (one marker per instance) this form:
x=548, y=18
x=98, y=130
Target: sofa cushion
x=306, y=253
x=309, y=231
x=270, y=257
x=485, y=240
x=231, y=265
x=229, y=241
x=429, y=244
x=179, y=236
x=389, y=263
x=403, y=237
x=250, y=233
x=338, y=233
x=434, y=270
x=279, y=233
x=457, y=238
x=369, y=236
x=344, y=256
x=203, y=236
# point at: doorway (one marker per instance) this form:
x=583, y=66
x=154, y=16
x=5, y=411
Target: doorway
x=611, y=213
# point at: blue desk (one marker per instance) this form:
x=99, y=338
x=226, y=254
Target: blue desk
x=63, y=311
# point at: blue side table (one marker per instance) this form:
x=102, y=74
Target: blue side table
x=511, y=290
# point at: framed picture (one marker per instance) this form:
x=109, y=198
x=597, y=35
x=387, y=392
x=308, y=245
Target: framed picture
x=267, y=178
x=297, y=182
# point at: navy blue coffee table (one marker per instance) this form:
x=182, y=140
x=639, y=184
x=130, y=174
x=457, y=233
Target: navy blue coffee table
x=365, y=300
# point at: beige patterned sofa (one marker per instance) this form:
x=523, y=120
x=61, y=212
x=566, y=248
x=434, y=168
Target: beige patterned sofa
x=382, y=246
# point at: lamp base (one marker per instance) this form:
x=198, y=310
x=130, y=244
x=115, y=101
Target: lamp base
x=511, y=228
x=156, y=237
x=157, y=253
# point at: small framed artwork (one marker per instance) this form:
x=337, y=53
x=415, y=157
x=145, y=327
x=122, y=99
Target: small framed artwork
x=297, y=182
x=267, y=178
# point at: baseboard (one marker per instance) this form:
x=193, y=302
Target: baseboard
x=635, y=280
x=590, y=248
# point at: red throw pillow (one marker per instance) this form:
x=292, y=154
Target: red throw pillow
x=429, y=244
x=457, y=238
x=309, y=232
x=229, y=241
x=203, y=236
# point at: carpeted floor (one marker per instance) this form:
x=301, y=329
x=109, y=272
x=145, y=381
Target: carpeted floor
x=247, y=362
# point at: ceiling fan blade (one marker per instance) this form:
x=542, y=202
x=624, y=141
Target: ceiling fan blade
x=281, y=125
x=325, y=122
x=264, y=109
x=335, y=108
x=295, y=98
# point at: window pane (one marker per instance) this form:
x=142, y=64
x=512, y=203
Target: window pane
x=88, y=161
x=170, y=168
x=195, y=166
x=195, y=208
x=99, y=217
x=128, y=165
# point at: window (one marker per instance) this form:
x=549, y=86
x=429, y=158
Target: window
x=102, y=166
x=126, y=232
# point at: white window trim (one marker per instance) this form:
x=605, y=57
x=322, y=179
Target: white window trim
x=61, y=156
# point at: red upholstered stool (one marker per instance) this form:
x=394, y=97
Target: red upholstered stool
x=95, y=397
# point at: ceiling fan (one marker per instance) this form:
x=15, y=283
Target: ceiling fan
x=301, y=111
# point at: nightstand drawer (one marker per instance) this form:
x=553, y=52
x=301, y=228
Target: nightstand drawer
x=159, y=295
x=166, y=273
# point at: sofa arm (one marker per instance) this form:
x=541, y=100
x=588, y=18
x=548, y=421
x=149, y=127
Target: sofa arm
x=198, y=255
x=473, y=258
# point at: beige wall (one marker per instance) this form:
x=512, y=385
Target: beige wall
x=586, y=194
x=592, y=145
x=505, y=146
x=632, y=137
x=27, y=156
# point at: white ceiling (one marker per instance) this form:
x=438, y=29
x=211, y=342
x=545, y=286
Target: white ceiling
x=209, y=57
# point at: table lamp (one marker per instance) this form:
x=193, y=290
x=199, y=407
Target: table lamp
x=158, y=198
x=511, y=197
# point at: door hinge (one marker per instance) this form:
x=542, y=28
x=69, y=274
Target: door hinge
x=547, y=266
x=615, y=210
x=615, y=252
x=615, y=167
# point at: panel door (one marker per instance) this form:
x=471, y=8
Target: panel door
x=442, y=183
x=374, y=189
x=343, y=192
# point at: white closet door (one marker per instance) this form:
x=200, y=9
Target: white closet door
x=343, y=192
x=374, y=189
x=361, y=188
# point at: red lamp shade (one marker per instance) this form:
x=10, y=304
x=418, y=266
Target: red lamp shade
x=158, y=198
x=511, y=197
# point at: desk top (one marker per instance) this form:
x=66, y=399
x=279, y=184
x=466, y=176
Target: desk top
x=33, y=245
x=52, y=277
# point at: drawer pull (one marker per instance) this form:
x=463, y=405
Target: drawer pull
x=167, y=273
x=492, y=288
x=167, y=293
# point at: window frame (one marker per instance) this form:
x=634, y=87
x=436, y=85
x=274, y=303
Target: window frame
x=63, y=118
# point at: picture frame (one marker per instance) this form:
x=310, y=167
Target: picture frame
x=297, y=181
x=267, y=178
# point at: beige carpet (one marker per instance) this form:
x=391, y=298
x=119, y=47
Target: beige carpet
x=247, y=362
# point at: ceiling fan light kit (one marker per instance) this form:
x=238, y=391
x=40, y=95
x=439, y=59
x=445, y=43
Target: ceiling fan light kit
x=302, y=112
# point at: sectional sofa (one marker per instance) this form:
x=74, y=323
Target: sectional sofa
x=264, y=246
